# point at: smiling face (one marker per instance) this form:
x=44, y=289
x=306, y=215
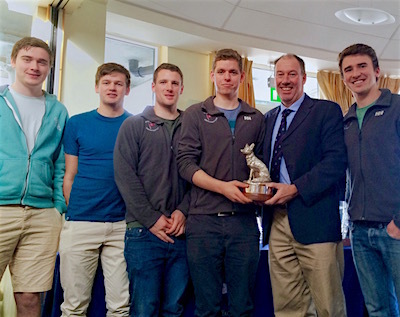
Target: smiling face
x=112, y=89
x=289, y=80
x=167, y=88
x=359, y=74
x=32, y=65
x=227, y=77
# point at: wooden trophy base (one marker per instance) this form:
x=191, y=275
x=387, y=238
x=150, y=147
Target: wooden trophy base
x=257, y=191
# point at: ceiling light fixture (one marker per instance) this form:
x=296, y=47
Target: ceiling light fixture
x=364, y=16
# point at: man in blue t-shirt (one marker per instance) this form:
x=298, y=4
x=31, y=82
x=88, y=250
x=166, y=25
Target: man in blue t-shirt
x=95, y=217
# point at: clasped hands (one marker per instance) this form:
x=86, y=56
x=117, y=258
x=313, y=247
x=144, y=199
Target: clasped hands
x=166, y=227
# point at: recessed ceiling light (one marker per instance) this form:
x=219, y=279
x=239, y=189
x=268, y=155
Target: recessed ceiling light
x=364, y=16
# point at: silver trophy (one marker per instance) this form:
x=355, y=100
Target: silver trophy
x=259, y=176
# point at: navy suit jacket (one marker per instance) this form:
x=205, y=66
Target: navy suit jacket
x=315, y=157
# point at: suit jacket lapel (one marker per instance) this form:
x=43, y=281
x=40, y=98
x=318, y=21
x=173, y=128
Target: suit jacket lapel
x=299, y=117
x=270, y=123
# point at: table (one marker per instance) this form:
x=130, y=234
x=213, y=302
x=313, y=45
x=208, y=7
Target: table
x=263, y=291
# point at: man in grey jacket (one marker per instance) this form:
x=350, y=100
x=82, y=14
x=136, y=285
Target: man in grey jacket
x=372, y=136
x=31, y=175
x=147, y=176
x=222, y=232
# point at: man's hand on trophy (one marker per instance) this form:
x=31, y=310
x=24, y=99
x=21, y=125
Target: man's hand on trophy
x=284, y=193
x=233, y=191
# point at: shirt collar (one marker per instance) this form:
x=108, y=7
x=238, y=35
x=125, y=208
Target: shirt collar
x=295, y=106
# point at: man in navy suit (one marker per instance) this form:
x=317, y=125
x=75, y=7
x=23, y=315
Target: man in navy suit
x=304, y=147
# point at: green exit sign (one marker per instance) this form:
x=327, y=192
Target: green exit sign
x=274, y=95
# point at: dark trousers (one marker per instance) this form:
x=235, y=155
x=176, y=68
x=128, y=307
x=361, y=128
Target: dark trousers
x=158, y=274
x=223, y=249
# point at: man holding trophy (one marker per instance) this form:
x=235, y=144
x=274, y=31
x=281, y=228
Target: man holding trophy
x=304, y=146
x=221, y=229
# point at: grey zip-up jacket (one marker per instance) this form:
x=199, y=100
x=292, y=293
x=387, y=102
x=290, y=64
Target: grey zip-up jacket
x=146, y=171
x=207, y=143
x=374, y=161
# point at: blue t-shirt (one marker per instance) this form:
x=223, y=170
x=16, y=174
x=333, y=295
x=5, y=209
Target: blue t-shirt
x=231, y=115
x=94, y=194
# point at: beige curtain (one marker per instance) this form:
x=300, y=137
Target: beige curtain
x=211, y=59
x=332, y=88
x=393, y=84
x=246, y=89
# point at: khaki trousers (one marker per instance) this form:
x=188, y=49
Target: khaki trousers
x=82, y=243
x=306, y=279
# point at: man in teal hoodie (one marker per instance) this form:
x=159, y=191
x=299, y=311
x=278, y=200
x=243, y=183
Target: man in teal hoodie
x=31, y=175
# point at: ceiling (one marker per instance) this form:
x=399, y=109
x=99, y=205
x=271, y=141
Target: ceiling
x=262, y=30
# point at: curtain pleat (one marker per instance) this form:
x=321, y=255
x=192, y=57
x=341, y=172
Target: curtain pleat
x=332, y=88
x=246, y=89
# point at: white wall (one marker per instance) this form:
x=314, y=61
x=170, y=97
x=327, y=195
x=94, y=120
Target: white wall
x=84, y=38
x=196, y=79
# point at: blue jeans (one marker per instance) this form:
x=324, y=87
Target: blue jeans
x=223, y=249
x=158, y=274
x=377, y=260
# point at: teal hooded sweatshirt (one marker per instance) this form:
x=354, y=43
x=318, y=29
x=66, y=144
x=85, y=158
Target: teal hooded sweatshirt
x=33, y=179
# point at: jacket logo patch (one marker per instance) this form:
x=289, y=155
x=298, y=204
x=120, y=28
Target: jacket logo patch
x=58, y=127
x=347, y=125
x=379, y=113
x=209, y=118
x=151, y=126
x=246, y=118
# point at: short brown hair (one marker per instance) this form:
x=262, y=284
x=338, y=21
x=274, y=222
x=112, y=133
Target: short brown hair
x=358, y=49
x=167, y=66
x=225, y=54
x=27, y=42
x=300, y=60
x=108, y=68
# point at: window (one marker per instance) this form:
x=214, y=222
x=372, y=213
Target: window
x=140, y=60
x=262, y=91
x=18, y=19
x=266, y=97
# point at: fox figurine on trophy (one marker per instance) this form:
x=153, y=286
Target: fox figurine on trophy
x=259, y=176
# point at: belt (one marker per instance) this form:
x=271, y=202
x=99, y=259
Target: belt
x=226, y=213
x=371, y=224
x=16, y=205
x=134, y=224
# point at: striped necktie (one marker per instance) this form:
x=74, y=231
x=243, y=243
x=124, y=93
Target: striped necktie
x=277, y=153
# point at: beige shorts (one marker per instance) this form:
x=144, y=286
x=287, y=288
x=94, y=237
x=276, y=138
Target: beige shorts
x=28, y=243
